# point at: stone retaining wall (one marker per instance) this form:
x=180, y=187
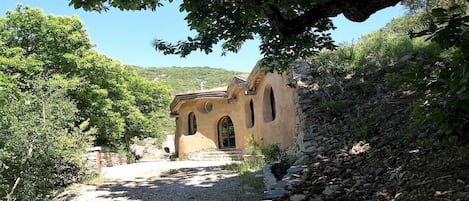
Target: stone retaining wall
x=95, y=159
x=301, y=79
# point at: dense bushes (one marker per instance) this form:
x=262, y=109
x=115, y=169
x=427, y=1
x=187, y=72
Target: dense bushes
x=445, y=76
x=41, y=148
x=58, y=97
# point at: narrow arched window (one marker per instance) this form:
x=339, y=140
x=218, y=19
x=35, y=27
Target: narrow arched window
x=272, y=104
x=249, y=111
x=192, y=124
x=251, y=107
x=270, y=111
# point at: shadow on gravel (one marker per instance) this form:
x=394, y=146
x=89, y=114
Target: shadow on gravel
x=204, y=183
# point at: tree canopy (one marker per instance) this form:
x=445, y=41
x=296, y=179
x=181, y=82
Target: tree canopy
x=287, y=29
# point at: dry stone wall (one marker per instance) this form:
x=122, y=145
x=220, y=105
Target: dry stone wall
x=95, y=160
x=301, y=79
x=92, y=161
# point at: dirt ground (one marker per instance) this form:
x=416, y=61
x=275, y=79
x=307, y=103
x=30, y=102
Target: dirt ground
x=166, y=181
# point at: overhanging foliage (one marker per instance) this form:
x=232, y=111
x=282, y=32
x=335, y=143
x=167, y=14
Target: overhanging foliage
x=287, y=29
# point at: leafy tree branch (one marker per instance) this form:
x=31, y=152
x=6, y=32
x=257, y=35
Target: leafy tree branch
x=287, y=29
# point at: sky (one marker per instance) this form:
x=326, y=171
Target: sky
x=127, y=36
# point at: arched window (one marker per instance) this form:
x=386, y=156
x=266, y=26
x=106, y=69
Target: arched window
x=251, y=108
x=192, y=124
x=249, y=114
x=269, y=104
x=272, y=104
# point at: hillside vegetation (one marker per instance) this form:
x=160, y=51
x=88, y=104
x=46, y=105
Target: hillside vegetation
x=390, y=119
x=188, y=79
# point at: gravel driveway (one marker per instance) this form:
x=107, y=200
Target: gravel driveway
x=187, y=180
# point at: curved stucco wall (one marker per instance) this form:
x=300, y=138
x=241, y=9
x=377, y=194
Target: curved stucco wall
x=281, y=129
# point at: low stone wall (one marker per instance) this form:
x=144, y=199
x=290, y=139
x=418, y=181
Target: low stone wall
x=95, y=159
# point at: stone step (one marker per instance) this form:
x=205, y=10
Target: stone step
x=218, y=155
x=215, y=157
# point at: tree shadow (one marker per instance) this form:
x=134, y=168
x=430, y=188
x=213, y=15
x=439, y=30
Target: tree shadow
x=202, y=183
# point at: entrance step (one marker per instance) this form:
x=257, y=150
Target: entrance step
x=217, y=155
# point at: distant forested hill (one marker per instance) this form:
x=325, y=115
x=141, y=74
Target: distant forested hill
x=188, y=79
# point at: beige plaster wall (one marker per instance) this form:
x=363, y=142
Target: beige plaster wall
x=280, y=130
x=206, y=136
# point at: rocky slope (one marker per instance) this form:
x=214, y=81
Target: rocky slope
x=359, y=146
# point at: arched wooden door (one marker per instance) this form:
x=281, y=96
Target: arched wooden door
x=226, y=133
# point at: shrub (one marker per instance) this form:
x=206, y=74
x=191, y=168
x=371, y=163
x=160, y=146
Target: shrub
x=41, y=149
x=272, y=153
x=445, y=75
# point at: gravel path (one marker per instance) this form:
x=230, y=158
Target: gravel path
x=187, y=180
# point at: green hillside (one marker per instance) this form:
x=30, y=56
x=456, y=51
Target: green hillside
x=188, y=79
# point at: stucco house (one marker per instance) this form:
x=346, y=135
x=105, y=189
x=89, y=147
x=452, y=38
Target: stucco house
x=261, y=105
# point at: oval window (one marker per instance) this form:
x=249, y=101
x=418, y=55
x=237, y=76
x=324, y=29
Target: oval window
x=208, y=106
